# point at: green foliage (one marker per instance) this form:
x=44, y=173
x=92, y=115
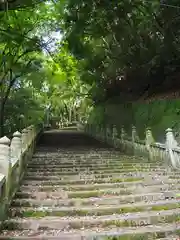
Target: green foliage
x=17, y=114
x=23, y=65
x=137, y=40
x=159, y=115
x=17, y=4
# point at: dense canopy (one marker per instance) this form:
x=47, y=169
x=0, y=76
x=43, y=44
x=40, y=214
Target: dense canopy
x=61, y=57
x=129, y=48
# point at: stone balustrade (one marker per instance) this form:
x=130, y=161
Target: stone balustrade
x=168, y=152
x=80, y=127
x=14, y=155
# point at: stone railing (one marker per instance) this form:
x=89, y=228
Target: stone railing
x=168, y=152
x=80, y=126
x=14, y=155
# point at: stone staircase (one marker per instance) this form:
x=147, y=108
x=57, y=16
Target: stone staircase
x=77, y=188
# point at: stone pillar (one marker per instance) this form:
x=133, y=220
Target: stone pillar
x=170, y=144
x=16, y=146
x=5, y=160
x=170, y=139
x=122, y=133
x=108, y=133
x=114, y=135
x=149, y=140
x=24, y=139
x=149, y=137
x=30, y=134
x=134, y=138
x=134, y=134
x=5, y=165
x=123, y=139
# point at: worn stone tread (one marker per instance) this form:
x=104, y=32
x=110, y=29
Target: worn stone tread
x=105, y=200
x=90, y=234
x=146, y=182
x=79, y=188
x=97, y=210
x=139, y=219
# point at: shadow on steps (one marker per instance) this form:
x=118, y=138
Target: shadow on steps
x=69, y=138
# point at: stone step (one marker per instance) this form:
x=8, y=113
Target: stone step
x=83, y=185
x=87, y=154
x=81, y=157
x=80, y=187
x=73, y=170
x=90, y=163
x=104, y=179
x=76, y=177
x=84, y=193
x=77, y=153
x=95, y=174
x=81, y=181
x=132, y=233
x=59, y=193
x=47, y=201
x=94, y=210
x=118, y=220
x=130, y=176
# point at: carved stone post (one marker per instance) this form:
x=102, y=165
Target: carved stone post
x=4, y=155
x=24, y=139
x=33, y=135
x=134, y=134
x=114, y=132
x=5, y=164
x=114, y=135
x=29, y=135
x=108, y=134
x=122, y=133
x=16, y=150
x=149, y=140
x=170, y=144
x=123, y=138
x=31, y=140
x=134, y=138
x=16, y=146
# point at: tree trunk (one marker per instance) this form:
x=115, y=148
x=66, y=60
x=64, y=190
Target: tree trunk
x=74, y=114
x=70, y=115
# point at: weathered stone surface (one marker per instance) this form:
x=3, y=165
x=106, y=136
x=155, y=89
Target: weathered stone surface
x=75, y=188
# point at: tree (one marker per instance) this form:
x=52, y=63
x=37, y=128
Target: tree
x=17, y=4
x=124, y=43
x=21, y=46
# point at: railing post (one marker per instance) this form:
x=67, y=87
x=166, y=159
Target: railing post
x=4, y=155
x=24, y=139
x=5, y=165
x=123, y=138
x=149, y=140
x=134, y=138
x=170, y=144
x=134, y=134
x=16, y=146
x=108, y=134
x=16, y=151
x=30, y=135
x=114, y=136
